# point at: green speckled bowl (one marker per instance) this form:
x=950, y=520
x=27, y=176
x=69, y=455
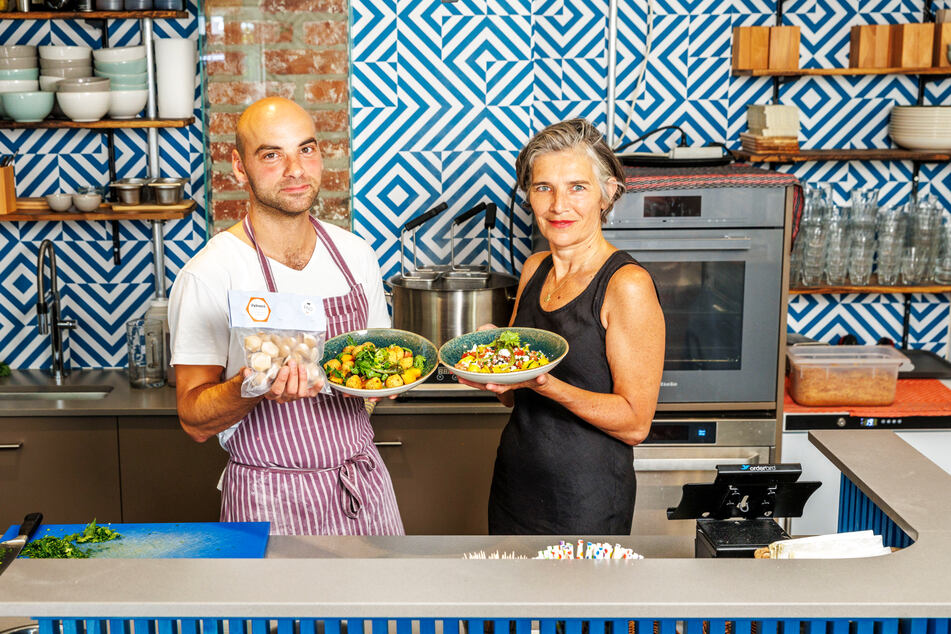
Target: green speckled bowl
x=554, y=346
x=382, y=337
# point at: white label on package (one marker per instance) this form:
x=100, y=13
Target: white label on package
x=280, y=311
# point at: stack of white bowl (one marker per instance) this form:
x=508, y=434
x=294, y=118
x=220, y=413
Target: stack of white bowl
x=69, y=66
x=125, y=66
x=18, y=70
x=921, y=127
x=64, y=62
x=84, y=98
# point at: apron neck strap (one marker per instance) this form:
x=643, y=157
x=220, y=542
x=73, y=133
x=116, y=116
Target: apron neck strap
x=321, y=234
x=262, y=259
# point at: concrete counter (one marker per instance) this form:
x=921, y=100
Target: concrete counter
x=121, y=400
x=353, y=577
x=124, y=400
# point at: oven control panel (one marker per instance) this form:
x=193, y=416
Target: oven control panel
x=805, y=422
x=682, y=433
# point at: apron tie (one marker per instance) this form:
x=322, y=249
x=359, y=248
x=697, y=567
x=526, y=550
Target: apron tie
x=348, y=482
x=347, y=473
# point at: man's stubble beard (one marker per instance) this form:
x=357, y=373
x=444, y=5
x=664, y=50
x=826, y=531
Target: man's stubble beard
x=275, y=205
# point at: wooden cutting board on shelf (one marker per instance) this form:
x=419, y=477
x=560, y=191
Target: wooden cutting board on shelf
x=39, y=205
x=185, y=205
x=36, y=209
x=759, y=144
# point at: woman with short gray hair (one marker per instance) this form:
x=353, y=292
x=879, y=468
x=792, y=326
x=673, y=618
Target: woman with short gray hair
x=564, y=463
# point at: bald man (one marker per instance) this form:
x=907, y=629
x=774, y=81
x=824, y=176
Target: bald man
x=303, y=461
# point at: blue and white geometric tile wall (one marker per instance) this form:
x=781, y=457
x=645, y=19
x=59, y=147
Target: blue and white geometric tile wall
x=444, y=94
x=98, y=294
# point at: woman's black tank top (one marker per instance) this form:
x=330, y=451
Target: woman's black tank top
x=555, y=473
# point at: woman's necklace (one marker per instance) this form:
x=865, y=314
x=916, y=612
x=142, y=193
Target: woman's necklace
x=567, y=277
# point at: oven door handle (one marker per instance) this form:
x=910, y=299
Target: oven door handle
x=689, y=464
x=726, y=243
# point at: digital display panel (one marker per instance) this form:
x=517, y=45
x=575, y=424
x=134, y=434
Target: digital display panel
x=682, y=433
x=671, y=206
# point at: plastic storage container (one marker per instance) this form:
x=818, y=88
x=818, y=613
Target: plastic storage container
x=843, y=375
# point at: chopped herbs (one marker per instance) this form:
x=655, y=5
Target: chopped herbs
x=93, y=534
x=50, y=547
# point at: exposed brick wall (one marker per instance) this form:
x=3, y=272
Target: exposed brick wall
x=291, y=48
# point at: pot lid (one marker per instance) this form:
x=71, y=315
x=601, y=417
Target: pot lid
x=441, y=283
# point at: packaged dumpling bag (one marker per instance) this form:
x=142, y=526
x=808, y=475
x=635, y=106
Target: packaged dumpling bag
x=274, y=328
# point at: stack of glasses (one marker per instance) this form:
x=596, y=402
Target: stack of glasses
x=808, y=256
x=839, y=245
x=891, y=241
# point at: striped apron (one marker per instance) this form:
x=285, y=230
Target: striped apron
x=310, y=467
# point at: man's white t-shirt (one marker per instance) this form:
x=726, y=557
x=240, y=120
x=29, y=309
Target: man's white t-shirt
x=198, y=304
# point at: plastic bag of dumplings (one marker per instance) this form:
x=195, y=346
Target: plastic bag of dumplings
x=273, y=329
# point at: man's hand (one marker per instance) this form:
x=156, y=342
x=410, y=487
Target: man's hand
x=290, y=384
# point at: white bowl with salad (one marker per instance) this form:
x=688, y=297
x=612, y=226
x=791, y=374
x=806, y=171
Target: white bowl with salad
x=503, y=355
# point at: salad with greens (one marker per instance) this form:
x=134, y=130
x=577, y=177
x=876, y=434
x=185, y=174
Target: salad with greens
x=368, y=367
x=505, y=354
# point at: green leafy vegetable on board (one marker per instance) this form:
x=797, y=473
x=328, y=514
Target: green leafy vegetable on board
x=4, y=369
x=50, y=547
x=94, y=534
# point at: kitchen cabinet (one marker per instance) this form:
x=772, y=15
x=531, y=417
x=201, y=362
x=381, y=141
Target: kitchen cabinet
x=64, y=467
x=441, y=464
x=166, y=476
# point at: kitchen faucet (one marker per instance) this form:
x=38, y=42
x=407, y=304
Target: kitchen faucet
x=47, y=311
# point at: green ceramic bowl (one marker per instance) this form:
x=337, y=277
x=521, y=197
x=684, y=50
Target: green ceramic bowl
x=554, y=346
x=123, y=79
x=27, y=106
x=20, y=73
x=126, y=67
x=383, y=337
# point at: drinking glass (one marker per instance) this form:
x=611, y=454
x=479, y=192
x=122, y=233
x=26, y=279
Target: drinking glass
x=813, y=254
x=837, y=267
x=942, y=270
x=911, y=265
x=837, y=253
x=889, y=265
x=864, y=207
x=861, y=258
x=146, y=342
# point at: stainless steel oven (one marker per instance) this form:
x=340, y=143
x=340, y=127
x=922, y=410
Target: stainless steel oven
x=716, y=256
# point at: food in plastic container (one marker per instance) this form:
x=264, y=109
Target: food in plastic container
x=843, y=375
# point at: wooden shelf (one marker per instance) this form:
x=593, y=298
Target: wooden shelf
x=842, y=155
x=818, y=72
x=872, y=287
x=92, y=15
x=102, y=124
x=106, y=213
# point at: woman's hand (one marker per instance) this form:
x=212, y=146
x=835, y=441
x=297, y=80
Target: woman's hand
x=506, y=393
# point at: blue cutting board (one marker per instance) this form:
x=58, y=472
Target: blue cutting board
x=199, y=540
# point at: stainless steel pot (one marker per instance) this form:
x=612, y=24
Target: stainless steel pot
x=444, y=308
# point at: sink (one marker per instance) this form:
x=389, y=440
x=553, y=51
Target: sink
x=54, y=392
